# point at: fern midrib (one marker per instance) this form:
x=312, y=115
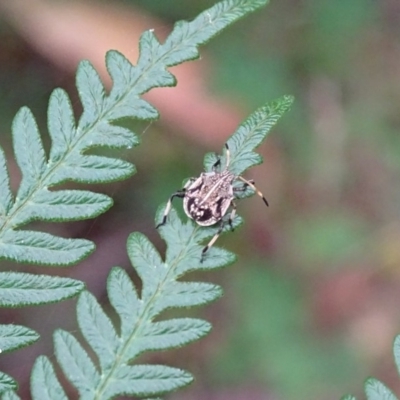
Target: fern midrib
x=120, y=356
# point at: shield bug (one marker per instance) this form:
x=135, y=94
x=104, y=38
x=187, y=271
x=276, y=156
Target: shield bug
x=208, y=198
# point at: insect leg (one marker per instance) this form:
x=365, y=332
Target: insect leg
x=179, y=193
x=251, y=184
x=217, y=163
x=232, y=216
x=212, y=241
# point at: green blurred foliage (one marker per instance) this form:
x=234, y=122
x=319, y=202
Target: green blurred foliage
x=284, y=353
x=340, y=237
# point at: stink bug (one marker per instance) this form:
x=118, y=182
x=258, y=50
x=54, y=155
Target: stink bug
x=206, y=199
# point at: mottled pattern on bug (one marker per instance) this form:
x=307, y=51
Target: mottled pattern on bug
x=206, y=199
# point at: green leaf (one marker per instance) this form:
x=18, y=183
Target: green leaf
x=22, y=289
x=91, y=92
x=97, y=329
x=376, y=390
x=124, y=299
x=76, y=364
x=29, y=151
x=7, y=383
x=61, y=123
x=44, y=382
x=146, y=380
x=35, y=201
x=147, y=262
x=6, y=198
x=39, y=247
x=10, y=396
x=205, y=26
x=123, y=74
x=94, y=169
x=187, y=294
x=64, y=205
x=348, y=397
x=13, y=337
x=169, y=334
x=113, y=136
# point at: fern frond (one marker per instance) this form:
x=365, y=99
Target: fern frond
x=114, y=372
x=68, y=159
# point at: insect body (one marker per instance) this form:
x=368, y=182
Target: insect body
x=206, y=199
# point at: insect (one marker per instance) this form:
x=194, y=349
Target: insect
x=206, y=199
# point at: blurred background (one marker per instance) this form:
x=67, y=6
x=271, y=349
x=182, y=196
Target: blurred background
x=311, y=308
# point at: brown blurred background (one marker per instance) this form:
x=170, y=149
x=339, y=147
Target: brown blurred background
x=311, y=307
